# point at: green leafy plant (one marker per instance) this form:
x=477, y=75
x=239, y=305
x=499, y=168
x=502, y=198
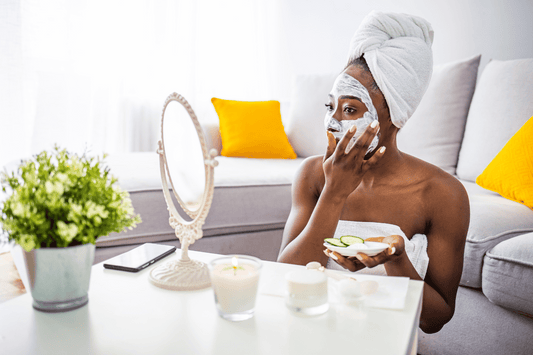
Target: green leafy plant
x=59, y=199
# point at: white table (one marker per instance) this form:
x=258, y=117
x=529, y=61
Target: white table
x=126, y=314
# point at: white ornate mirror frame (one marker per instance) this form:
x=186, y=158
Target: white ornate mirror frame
x=185, y=274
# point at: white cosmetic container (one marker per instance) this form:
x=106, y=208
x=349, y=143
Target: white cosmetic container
x=351, y=292
x=307, y=292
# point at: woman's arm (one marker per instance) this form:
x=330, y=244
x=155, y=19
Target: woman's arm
x=302, y=241
x=450, y=217
x=314, y=215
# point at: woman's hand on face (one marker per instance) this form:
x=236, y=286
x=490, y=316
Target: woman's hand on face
x=344, y=170
x=361, y=260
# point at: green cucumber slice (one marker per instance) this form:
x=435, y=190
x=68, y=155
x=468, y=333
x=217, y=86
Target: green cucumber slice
x=351, y=239
x=335, y=242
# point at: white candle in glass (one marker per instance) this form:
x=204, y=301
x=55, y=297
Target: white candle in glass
x=235, y=281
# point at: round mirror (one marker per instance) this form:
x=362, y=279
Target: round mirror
x=184, y=157
x=187, y=177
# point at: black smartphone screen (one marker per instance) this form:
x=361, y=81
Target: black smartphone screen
x=139, y=258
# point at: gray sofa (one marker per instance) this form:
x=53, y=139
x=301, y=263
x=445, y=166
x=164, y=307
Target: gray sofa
x=459, y=126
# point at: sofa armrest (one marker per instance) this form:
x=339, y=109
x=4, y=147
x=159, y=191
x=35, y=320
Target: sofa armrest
x=212, y=135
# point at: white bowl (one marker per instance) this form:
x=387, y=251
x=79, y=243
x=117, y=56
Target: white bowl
x=368, y=248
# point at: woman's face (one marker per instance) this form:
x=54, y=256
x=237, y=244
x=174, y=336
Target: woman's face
x=349, y=104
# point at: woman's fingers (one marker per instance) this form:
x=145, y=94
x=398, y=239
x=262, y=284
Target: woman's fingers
x=374, y=159
x=396, y=244
x=357, y=264
x=341, y=260
x=345, y=140
x=331, y=145
x=396, y=247
x=374, y=239
x=363, y=142
x=372, y=261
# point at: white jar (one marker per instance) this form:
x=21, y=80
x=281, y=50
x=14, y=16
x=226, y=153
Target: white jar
x=307, y=292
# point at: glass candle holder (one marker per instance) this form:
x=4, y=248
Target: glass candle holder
x=235, y=280
x=307, y=292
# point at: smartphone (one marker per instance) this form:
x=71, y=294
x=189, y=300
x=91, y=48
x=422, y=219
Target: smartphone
x=139, y=258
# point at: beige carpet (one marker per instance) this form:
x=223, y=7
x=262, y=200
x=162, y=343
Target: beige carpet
x=11, y=285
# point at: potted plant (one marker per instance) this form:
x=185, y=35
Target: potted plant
x=58, y=204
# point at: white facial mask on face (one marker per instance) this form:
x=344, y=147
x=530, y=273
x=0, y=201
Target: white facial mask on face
x=347, y=85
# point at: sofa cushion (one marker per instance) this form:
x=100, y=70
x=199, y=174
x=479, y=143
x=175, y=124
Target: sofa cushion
x=305, y=126
x=443, y=109
x=493, y=219
x=508, y=274
x=501, y=105
x=250, y=195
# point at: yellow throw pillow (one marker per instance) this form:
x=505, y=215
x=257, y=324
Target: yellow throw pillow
x=252, y=129
x=510, y=173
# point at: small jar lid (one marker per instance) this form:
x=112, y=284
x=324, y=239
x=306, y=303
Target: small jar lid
x=306, y=283
x=309, y=277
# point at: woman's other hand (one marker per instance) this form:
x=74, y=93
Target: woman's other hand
x=360, y=261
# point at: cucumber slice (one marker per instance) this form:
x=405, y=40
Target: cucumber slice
x=335, y=242
x=351, y=239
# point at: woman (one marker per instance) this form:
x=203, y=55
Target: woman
x=374, y=185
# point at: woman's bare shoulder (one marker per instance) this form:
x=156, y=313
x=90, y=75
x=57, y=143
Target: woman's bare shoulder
x=436, y=179
x=311, y=169
x=308, y=182
x=445, y=196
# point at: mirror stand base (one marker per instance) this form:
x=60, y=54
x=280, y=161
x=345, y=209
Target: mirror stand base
x=181, y=275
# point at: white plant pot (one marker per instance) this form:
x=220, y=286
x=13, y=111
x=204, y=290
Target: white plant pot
x=59, y=277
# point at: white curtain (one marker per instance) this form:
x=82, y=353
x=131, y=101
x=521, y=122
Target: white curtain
x=95, y=73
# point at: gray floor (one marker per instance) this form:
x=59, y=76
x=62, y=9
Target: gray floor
x=480, y=327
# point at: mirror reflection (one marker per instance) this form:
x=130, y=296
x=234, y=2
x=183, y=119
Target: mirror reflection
x=184, y=156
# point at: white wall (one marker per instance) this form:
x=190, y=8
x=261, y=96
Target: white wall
x=233, y=49
x=314, y=35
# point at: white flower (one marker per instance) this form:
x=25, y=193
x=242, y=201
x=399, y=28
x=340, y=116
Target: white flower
x=76, y=208
x=75, y=212
x=95, y=210
x=62, y=177
x=27, y=241
x=129, y=210
x=18, y=209
x=21, y=210
x=54, y=188
x=30, y=178
x=67, y=231
x=49, y=187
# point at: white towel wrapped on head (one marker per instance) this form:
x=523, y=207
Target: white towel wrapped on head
x=397, y=49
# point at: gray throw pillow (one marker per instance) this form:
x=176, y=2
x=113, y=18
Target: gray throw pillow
x=503, y=102
x=435, y=131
